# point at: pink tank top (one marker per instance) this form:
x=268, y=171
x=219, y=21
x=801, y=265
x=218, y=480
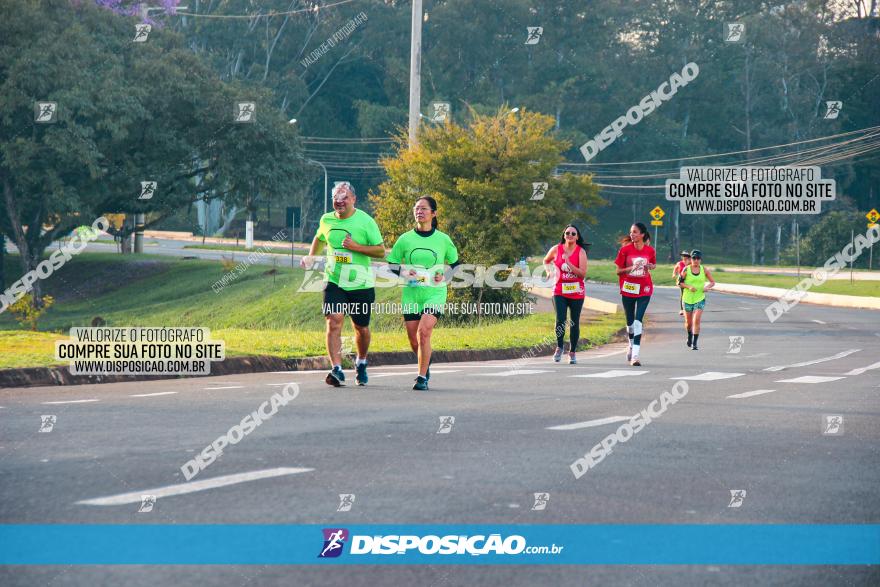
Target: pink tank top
x=568, y=285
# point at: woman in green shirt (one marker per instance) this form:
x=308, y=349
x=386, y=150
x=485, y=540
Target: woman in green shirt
x=694, y=281
x=422, y=254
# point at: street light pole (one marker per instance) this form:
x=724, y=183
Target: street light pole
x=415, y=72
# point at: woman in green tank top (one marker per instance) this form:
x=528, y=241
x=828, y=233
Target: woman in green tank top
x=694, y=281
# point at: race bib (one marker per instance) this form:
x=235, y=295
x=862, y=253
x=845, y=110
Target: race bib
x=571, y=288
x=421, y=278
x=342, y=257
x=631, y=288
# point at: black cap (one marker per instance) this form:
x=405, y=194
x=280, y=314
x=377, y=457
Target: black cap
x=696, y=254
x=685, y=253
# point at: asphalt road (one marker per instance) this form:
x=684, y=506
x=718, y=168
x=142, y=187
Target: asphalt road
x=381, y=443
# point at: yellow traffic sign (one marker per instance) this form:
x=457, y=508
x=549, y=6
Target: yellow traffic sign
x=658, y=213
x=656, y=223
x=871, y=225
x=873, y=216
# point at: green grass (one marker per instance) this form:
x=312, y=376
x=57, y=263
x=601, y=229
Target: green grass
x=255, y=314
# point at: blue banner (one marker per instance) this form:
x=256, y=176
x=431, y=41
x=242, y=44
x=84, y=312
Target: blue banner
x=155, y=544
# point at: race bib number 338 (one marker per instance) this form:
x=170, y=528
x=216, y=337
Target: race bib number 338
x=342, y=257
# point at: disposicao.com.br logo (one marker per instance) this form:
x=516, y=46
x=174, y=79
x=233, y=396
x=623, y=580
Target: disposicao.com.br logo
x=334, y=540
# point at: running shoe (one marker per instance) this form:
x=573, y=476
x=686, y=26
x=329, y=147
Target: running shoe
x=421, y=384
x=361, y=377
x=694, y=348
x=335, y=377
x=572, y=360
x=635, y=362
x=557, y=356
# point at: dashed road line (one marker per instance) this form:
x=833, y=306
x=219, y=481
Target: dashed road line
x=225, y=387
x=193, y=486
x=750, y=393
x=810, y=379
x=861, y=370
x=70, y=401
x=709, y=376
x=591, y=423
x=813, y=362
x=153, y=394
x=819, y=321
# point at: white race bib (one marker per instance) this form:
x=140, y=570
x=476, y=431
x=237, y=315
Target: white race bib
x=421, y=278
x=571, y=288
x=631, y=288
x=342, y=257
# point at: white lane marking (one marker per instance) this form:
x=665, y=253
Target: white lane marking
x=591, y=423
x=191, y=487
x=514, y=372
x=822, y=360
x=710, y=376
x=810, y=379
x=861, y=370
x=756, y=356
x=750, y=393
x=819, y=321
x=410, y=372
x=153, y=394
x=279, y=384
x=225, y=387
x=605, y=355
x=613, y=373
x=72, y=401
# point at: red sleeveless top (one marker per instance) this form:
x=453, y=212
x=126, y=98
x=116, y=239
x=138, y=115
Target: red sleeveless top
x=568, y=285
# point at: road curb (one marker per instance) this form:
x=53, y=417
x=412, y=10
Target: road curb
x=819, y=299
x=45, y=376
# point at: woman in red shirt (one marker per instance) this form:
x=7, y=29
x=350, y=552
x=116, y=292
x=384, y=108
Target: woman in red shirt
x=635, y=259
x=570, y=260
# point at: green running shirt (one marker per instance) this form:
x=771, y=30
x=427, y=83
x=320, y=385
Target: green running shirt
x=348, y=269
x=697, y=281
x=425, y=256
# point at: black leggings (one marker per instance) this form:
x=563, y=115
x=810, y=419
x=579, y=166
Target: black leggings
x=635, y=310
x=562, y=305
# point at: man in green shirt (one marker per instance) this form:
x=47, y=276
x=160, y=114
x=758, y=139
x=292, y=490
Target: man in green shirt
x=352, y=239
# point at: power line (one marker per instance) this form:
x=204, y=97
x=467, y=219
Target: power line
x=271, y=13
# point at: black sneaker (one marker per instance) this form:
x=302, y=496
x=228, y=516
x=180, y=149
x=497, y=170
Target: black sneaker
x=421, y=384
x=361, y=377
x=690, y=339
x=694, y=348
x=335, y=377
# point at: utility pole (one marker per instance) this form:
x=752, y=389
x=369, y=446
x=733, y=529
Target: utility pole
x=415, y=72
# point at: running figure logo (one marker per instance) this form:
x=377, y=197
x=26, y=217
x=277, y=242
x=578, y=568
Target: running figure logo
x=736, y=344
x=148, y=190
x=539, y=189
x=141, y=31
x=446, y=423
x=737, y=496
x=832, y=425
x=147, y=503
x=346, y=500
x=44, y=112
x=245, y=111
x=47, y=423
x=541, y=500
x=735, y=32
x=334, y=540
x=534, y=34
x=832, y=109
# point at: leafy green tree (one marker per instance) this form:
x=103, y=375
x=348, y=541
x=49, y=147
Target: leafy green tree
x=481, y=176
x=827, y=237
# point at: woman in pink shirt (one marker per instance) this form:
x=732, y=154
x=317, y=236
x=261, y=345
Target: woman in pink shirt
x=635, y=260
x=569, y=258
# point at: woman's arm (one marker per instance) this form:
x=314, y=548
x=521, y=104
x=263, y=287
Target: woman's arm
x=711, y=283
x=581, y=269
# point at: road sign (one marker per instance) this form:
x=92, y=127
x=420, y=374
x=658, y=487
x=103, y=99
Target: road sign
x=657, y=213
x=656, y=223
x=873, y=216
x=871, y=225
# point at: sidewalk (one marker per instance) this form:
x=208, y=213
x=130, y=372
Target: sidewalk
x=822, y=299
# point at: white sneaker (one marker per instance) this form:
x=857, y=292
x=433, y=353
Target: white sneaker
x=635, y=362
x=557, y=356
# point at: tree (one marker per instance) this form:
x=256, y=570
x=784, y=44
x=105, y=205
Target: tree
x=145, y=112
x=481, y=176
